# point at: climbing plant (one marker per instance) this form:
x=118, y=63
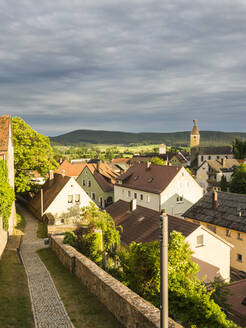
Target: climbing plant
x=7, y=195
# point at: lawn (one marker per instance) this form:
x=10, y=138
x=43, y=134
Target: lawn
x=83, y=308
x=42, y=231
x=15, y=302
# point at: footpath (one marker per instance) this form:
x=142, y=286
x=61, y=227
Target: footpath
x=47, y=306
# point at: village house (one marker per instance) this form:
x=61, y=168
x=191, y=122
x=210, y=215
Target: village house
x=200, y=154
x=181, y=158
x=210, y=172
x=225, y=214
x=7, y=155
x=210, y=252
x=137, y=159
x=158, y=187
x=98, y=179
x=71, y=169
x=59, y=201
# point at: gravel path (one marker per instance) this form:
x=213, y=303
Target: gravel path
x=48, y=309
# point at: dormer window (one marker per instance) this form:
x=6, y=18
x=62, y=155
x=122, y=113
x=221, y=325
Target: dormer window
x=150, y=180
x=136, y=177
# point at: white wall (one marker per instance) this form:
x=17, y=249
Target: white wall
x=216, y=157
x=60, y=203
x=202, y=176
x=213, y=257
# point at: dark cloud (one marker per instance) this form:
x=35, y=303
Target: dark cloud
x=132, y=65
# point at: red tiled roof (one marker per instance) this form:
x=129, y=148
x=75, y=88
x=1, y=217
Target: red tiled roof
x=51, y=189
x=120, y=160
x=4, y=132
x=154, y=179
x=143, y=224
x=71, y=170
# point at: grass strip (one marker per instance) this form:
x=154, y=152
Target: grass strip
x=84, y=309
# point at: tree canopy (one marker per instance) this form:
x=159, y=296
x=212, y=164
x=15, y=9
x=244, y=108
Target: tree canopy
x=32, y=152
x=238, y=182
x=239, y=148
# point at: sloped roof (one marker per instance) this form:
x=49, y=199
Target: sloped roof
x=71, y=170
x=219, y=150
x=4, y=132
x=120, y=160
x=143, y=224
x=225, y=215
x=51, y=189
x=153, y=179
x=228, y=164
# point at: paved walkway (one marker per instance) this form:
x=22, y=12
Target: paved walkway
x=48, y=309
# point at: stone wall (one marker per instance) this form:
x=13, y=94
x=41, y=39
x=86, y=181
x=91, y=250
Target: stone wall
x=129, y=308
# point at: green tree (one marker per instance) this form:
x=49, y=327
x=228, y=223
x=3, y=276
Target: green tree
x=158, y=161
x=223, y=183
x=32, y=151
x=239, y=148
x=238, y=182
x=7, y=195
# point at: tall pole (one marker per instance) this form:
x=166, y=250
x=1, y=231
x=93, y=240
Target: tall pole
x=164, y=269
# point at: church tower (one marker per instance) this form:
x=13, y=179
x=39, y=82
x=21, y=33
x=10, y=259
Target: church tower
x=194, y=144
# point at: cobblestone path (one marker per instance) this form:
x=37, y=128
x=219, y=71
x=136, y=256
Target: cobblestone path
x=48, y=309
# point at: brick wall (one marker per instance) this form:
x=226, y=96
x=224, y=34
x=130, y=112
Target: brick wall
x=129, y=308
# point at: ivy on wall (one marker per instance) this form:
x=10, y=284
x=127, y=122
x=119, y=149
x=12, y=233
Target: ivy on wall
x=7, y=195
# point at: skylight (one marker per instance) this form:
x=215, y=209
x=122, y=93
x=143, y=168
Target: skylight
x=150, y=180
x=136, y=177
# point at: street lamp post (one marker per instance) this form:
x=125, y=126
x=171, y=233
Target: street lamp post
x=164, y=269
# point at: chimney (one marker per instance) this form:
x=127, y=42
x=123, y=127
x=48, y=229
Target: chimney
x=148, y=165
x=98, y=166
x=223, y=162
x=239, y=212
x=133, y=204
x=63, y=172
x=51, y=174
x=215, y=200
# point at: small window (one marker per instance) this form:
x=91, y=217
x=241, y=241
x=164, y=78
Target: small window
x=93, y=195
x=239, y=236
x=100, y=201
x=129, y=193
x=228, y=233
x=135, y=195
x=211, y=227
x=199, y=240
x=180, y=199
x=202, y=158
x=77, y=198
x=136, y=177
x=89, y=183
x=239, y=258
x=217, y=157
x=84, y=183
x=70, y=199
x=147, y=198
x=150, y=180
x=141, y=196
x=209, y=157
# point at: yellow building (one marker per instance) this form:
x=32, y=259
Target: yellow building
x=225, y=214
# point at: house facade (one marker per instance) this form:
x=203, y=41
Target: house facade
x=7, y=155
x=158, y=187
x=210, y=252
x=60, y=200
x=97, y=180
x=224, y=213
x=210, y=172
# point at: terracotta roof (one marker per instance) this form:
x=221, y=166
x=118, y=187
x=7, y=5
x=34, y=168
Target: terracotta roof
x=71, y=170
x=153, y=179
x=4, y=132
x=120, y=160
x=219, y=150
x=143, y=224
x=51, y=189
x=225, y=215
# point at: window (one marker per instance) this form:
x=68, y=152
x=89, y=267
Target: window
x=77, y=199
x=209, y=157
x=217, y=157
x=180, y=199
x=199, y=240
x=147, y=198
x=141, y=196
x=89, y=183
x=83, y=183
x=239, y=236
x=150, y=180
x=228, y=233
x=135, y=195
x=202, y=158
x=212, y=228
x=93, y=195
x=70, y=199
x=100, y=201
x=136, y=177
x=129, y=193
x=239, y=258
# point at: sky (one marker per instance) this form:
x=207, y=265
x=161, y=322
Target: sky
x=129, y=65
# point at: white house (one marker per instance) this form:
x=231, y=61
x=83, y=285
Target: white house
x=158, y=187
x=60, y=200
x=210, y=251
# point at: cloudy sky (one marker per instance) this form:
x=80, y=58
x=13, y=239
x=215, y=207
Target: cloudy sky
x=129, y=65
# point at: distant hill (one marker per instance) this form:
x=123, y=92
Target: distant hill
x=126, y=138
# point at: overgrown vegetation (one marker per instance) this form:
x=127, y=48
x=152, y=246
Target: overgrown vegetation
x=238, y=182
x=15, y=304
x=84, y=309
x=32, y=152
x=7, y=195
x=42, y=231
x=239, y=148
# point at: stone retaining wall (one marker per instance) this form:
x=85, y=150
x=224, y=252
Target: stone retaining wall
x=128, y=307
